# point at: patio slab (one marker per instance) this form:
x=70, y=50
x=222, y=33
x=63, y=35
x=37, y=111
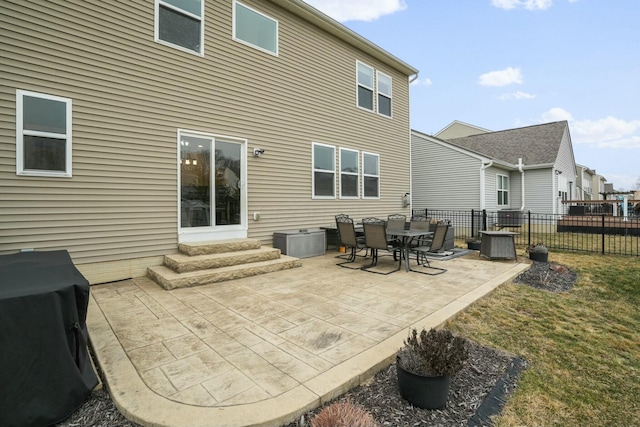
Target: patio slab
x=263, y=350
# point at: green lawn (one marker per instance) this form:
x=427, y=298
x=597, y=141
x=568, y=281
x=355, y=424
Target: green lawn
x=582, y=346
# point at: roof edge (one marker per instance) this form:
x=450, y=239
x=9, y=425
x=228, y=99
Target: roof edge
x=313, y=15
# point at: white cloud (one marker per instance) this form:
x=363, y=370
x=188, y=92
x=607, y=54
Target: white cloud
x=358, y=10
x=422, y=82
x=515, y=96
x=504, y=77
x=525, y=4
x=609, y=132
x=555, y=115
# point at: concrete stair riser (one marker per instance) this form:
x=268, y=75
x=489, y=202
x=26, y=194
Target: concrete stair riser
x=184, y=264
x=169, y=279
x=218, y=247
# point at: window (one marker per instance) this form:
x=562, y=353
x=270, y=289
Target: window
x=180, y=23
x=503, y=190
x=384, y=94
x=371, y=175
x=255, y=29
x=365, y=86
x=43, y=134
x=324, y=174
x=349, y=173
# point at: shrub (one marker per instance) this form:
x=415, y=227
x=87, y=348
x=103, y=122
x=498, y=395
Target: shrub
x=343, y=414
x=433, y=353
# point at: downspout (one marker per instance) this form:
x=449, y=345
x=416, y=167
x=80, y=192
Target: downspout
x=483, y=192
x=414, y=78
x=521, y=169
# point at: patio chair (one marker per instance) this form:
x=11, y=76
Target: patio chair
x=338, y=239
x=348, y=238
x=420, y=223
x=395, y=222
x=375, y=237
x=437, y=245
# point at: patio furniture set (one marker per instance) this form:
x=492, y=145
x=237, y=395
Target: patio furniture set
x=392, y=237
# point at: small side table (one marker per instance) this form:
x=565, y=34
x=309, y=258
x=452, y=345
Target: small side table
x=498, y=245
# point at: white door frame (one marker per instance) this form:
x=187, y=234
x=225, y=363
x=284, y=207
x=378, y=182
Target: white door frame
x=214, y=232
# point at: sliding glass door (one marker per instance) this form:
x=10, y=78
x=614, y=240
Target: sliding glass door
x=212, y=193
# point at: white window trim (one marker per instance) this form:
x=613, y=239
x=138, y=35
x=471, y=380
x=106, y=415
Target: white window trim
x=21, y=132
x=314, y=170
x=177, y=9
x=390, y=96
x=364, y=196
x=239, y=40
x=373, y=91
x=356, y=174
x=503, y=190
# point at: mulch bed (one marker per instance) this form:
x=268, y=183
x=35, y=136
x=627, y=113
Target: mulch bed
x=548, y=276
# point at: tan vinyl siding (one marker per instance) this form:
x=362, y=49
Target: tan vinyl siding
x=130, y=96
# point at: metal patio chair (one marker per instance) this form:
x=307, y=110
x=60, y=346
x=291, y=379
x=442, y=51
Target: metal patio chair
x=436, y=245
x=348, y=238
x=375, y=237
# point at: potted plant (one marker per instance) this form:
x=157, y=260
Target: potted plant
x=538, y=252
x=426, y=363
x=473, y=244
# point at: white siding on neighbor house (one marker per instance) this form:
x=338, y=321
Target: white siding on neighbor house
x=539, y=190
x=130, y=96
x=442, y=177
x=565, y=162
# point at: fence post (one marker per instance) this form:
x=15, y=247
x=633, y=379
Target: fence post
x=484, y=219
x=603, y=234
x=529, y=228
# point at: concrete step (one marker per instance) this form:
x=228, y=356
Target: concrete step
x=169, y=279
x=218, y=246
x=182, y=263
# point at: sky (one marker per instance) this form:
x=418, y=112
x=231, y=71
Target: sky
x=504, y=64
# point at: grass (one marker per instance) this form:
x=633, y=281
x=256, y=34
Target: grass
x=582, y=346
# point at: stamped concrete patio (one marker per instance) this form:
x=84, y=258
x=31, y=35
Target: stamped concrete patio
x=261, y=351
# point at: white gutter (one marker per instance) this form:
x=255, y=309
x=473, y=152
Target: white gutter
x=483, y=192
x=521, y=169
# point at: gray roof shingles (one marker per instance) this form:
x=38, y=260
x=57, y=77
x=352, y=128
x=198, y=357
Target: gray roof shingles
x=538, y=144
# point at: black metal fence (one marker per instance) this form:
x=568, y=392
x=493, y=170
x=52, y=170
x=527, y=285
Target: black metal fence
x=601, y=233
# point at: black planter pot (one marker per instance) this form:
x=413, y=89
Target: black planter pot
x=422, y=391
x=475, y=246
x=538, y=256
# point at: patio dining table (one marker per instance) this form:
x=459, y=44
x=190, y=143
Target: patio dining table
x=405, y=239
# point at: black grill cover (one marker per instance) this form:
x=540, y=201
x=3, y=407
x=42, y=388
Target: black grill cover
x=45, y=370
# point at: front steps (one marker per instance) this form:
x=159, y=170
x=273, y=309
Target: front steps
x=218, y=261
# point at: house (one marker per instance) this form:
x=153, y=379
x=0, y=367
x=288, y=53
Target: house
x=585, y=178
x=130, y=127
x=529, y=168
x=589, y=184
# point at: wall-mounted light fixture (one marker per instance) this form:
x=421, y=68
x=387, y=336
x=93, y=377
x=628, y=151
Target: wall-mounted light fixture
x=257, y=152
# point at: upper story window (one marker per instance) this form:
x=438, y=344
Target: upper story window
x=384, y=94
x=180, y=23
x=254, y=28
x=365, y=86
x=371, y=175
x=43, y=135
x=349, y=173
x=502, y=184
x=324, y=173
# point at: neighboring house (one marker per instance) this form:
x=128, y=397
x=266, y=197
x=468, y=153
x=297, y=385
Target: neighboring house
x=585, y=178
x=128, y=127
x=530, y=168
x=597, y=186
